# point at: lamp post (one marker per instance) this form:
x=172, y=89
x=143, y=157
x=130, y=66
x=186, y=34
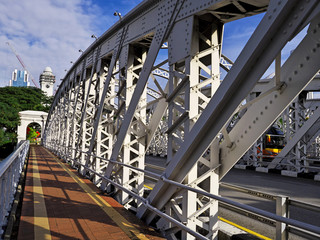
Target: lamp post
x=116, y=13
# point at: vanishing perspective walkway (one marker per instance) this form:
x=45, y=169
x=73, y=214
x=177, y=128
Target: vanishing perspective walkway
x=60, y=204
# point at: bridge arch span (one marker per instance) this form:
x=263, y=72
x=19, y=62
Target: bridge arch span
x=101, y=116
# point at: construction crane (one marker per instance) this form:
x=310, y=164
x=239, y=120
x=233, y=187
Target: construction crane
x=22, y=64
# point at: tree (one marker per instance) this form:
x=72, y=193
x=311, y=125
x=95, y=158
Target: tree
x=32, y=134
x=12, y=101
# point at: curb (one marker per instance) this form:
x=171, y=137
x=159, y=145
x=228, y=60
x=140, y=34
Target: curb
x=314, y=176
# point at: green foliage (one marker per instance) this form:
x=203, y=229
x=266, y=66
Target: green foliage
x=5, y=137
x=32, y=135
x=14, y=100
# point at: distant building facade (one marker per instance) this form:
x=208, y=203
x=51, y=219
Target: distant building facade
x=47, y=80
x=19, y=79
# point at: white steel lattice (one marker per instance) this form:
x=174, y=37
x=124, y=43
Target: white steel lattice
x=151, y=84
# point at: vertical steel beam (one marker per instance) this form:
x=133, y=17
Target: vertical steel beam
x=161, y=33
x=283, y=211
x=247, y=70
x=194, y=79
x=98, y=111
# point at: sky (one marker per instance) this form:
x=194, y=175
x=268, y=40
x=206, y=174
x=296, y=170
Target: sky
x=51, y=32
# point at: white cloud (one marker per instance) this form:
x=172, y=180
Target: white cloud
x=47, y=33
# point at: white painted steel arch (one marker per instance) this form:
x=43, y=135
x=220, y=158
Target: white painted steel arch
x=102, y=111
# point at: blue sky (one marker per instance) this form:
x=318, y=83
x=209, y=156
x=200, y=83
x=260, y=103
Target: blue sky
x=50, y=32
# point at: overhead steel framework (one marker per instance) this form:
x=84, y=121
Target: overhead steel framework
x=159, y=67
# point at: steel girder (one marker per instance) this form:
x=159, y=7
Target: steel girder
x=275, y=30
x=99, y=111
x=300, y=125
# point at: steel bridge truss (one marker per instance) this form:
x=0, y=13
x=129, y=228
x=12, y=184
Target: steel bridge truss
x=159, y=67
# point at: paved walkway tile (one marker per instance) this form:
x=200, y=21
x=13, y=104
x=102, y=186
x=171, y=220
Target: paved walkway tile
x=60, y=204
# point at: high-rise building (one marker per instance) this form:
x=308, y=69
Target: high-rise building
x=19, y=79
x=47, y=80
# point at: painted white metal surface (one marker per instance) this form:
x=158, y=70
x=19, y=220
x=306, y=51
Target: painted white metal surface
x=127, y=85
x=10, y=171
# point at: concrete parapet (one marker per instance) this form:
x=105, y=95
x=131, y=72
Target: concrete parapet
x=262, y=169
x=289, y=173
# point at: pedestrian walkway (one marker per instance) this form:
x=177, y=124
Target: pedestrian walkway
x=60, y=204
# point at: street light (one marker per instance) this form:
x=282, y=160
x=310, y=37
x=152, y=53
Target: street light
x=116, y=13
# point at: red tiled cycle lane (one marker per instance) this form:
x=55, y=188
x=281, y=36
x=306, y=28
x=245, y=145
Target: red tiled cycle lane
x=72, y=206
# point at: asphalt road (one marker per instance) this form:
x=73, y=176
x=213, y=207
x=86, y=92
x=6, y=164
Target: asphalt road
x=301, y=189
x=304, y=190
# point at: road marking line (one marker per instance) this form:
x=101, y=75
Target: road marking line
x=148, y=187
x=41, y=223
x=234, y=224
x=126, y=226
x=245, y=229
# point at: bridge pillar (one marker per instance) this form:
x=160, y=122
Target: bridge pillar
x=295, y=118
x=105, y=128
x=83, y=137
x=194, y=78
x=65, y=124
x=73, y=106
x=131, y=62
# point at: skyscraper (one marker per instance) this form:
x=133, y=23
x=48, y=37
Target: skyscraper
x=19, y=79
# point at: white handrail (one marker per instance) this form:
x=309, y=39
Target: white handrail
x=10, y=171
x=280, y=219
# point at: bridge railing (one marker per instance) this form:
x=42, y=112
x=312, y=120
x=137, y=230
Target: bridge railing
x=283, y=204
x=10, y=171
x=283, y=222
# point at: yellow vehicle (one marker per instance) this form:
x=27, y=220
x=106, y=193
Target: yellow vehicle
x=273, y=143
